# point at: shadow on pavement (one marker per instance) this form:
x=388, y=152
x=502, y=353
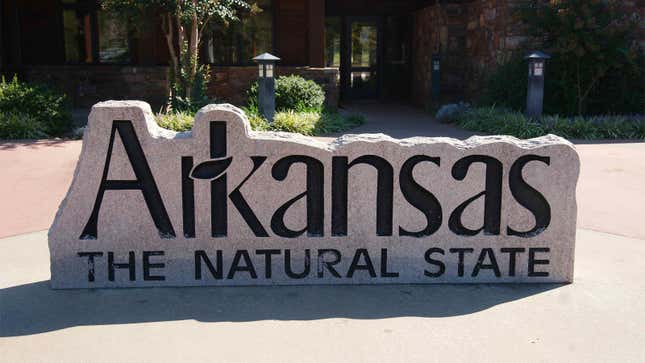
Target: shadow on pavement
x=32, y=144
x=35, y=308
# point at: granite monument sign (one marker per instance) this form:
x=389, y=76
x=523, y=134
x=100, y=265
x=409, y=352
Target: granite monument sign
x=224, y=205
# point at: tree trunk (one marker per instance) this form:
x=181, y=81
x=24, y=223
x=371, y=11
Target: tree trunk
x=166, y=27
x=579, y=88
x=591, y=86
x=194, y=43
x=181, y=36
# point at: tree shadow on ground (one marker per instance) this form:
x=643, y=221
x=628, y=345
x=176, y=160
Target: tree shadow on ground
x=35, y=308
x=33, y=144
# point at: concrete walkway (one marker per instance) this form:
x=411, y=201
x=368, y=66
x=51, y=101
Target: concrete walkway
x=35, y=178
x=401, y=121
x=597, y=318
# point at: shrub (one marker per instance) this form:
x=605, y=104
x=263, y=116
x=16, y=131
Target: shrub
x=40, y=105
x=313, y=123
x=596, y=66
x=491, y=120
x=293, y=93
x=306, y=123
x=506, y=86
x=590, y=40
x=176, y=121
x=298, y=122
x=333, y=122
x=20, y=126
x=618, y=92
x=258, y=123
x=447, y=113
x=196, y=98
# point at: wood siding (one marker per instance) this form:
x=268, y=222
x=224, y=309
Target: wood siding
x=290, y=30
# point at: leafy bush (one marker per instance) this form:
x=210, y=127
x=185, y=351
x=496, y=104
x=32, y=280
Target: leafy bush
x=306, y=123
x=196, y=98
x=293, y=93
x=447, y=113
x=20, y=126
x=596, y=66
x=298, y=122
x=40, y=106
x=507, y=84
x=258, y=123
x=333, y=122
x=618, y=92
x=176, y=121
x=491, y=120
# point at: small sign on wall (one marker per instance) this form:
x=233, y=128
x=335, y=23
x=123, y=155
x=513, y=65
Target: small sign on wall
x=224, y=205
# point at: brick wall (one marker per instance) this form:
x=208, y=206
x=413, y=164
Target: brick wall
x=86, y=85
x=89, y=84
x=472, y=39
x=494, y=32
x=439, y=29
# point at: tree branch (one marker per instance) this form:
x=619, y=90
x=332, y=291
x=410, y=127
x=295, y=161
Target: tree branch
x=204, y=23
x=194, y=41
x=166, y=27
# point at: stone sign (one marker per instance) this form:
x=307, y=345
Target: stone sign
x=224, y=205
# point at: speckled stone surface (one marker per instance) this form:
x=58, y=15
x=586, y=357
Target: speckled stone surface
x=298, y=237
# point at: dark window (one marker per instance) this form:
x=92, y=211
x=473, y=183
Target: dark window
x=332, y=41
x=92, y=35
x=114, y=44
x=238, y=42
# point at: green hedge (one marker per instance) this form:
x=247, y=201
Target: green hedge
x=306, y=123
x=293, y=93
x=40, y=110
x=620, y=90
x=20, y=126
x=176, y=121
x=492, y=120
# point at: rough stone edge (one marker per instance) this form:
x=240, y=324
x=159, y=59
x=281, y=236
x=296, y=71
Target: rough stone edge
x=472, y=142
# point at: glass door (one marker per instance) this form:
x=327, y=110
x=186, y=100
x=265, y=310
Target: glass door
x=362, y=63
x=396, y=72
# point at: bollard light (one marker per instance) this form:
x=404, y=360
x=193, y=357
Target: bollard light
x=266, y=84
x=436, y=78
x=535, y=93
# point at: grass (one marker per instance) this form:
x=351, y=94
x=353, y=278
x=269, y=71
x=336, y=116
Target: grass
x=176, y=121
x=307, y=123
x=492, y=120
x=14, y=125
x=311, y=123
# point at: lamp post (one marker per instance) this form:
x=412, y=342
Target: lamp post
x=266, y=84
x=436, y=78
x=535, y=94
